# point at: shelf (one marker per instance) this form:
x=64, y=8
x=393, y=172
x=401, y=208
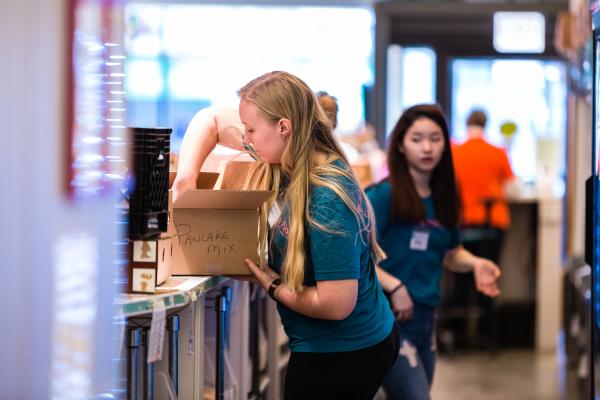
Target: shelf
x=177, y=291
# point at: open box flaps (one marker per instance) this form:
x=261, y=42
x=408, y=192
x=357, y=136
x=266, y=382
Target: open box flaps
x=205, y=180
x=221, y=199
x=216, y=231
x=235, y=174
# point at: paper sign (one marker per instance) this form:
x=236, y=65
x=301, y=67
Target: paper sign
x=144, y=280
x=191, y=332
x=157, y=331
x=144, y=251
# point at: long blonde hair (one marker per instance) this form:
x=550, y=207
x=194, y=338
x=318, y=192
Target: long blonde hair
x=282, y=95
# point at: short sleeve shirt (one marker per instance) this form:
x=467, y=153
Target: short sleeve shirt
x=481, y=172
x=416, y=263
x=338, y=253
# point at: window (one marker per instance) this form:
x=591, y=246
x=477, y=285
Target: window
x=411, y=80
x=182, y=58
x=529, y=93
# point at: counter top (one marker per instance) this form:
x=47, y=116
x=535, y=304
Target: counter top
x=533, y=199
x=177, y=291
x=523, y=200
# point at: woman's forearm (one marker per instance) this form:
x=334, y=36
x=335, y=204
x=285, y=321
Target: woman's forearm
x=388, y=281
x=460, y=260
x=208, y=128
x=333, y=300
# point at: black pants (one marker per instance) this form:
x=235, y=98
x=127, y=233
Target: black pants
x=350, y=375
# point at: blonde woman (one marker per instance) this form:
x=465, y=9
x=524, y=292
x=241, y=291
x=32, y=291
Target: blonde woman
x=321, y=237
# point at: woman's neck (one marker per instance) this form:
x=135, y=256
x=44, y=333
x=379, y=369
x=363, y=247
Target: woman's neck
x=422, y=181
x=475, y=132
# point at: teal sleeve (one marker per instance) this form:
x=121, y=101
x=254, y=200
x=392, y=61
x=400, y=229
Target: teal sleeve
x=455, y=239
x=336, y=251
x=380, y=200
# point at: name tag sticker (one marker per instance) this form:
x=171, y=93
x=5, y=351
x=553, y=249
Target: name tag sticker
x=274, y=214
x=419, y=240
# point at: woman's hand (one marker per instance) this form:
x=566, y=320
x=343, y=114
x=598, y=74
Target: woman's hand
x=486, y=275
x=332, y=300
x=402, y=304
x=180, y=185
x=264, y=276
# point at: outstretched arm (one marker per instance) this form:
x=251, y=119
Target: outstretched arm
x=209, y=127
x=486, y=272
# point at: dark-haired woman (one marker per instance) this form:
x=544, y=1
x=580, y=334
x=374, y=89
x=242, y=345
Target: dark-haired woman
x=417, y=216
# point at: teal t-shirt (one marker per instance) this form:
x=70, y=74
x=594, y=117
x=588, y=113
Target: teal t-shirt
x=415, y=252
x=343, y=253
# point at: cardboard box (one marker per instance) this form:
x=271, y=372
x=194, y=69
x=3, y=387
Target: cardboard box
x=363, y=173
x=216, y=230
x=150, y=261
x=235, y=174
x=149, y=264
x=215, y=159
x=205, y=180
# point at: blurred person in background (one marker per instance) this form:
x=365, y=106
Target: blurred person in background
x=329, y=105
x=361, y=148
x=482, y=173
x=417, y=214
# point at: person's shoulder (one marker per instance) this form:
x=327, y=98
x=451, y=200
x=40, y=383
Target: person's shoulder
x=383, y=184
x=462, y=148
x=472, y=142
x=498, y=151
x=381, y=188
x=326, y=197
x=336, y=175
x=478, y=145
x=338, y=171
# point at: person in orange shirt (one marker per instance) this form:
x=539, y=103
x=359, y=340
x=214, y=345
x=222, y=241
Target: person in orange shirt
x=482, y=171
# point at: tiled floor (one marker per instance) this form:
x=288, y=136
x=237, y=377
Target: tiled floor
x=506, y=375
x=512, y=375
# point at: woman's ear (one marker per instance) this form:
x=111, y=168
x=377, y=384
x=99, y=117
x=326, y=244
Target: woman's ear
x=400, y=148
x=284, y=126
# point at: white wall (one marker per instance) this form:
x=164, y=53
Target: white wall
x=35, y=211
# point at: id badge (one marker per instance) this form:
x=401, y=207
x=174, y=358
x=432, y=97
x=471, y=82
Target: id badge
x=274, y=214
x=419, y=239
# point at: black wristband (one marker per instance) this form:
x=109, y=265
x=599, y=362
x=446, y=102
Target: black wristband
x=272, y=287
x=395, y=289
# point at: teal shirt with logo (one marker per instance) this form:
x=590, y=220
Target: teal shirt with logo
x=412, y=259
x=340, y=253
